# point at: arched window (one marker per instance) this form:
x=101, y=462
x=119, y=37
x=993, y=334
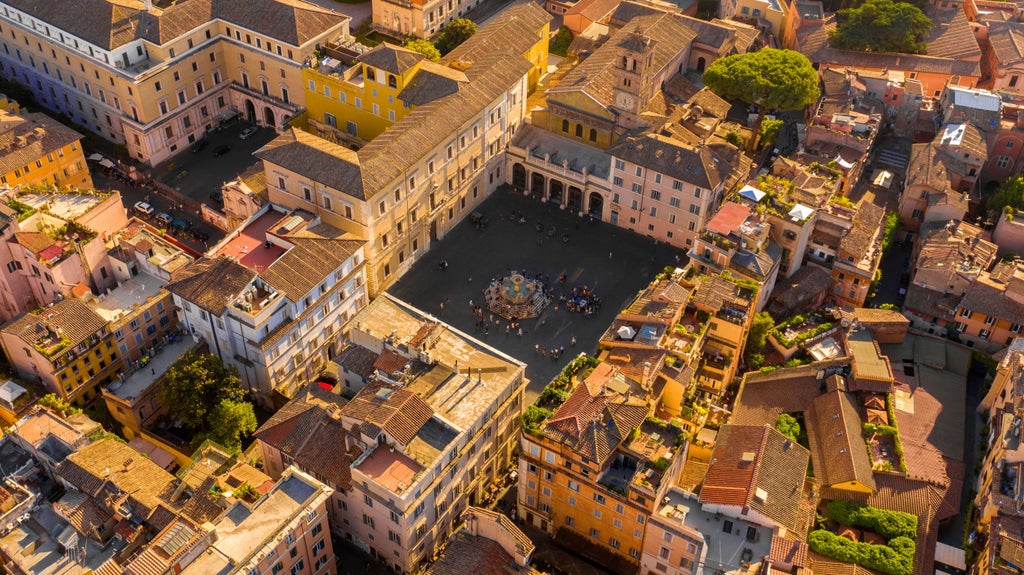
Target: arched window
x=371, y=74
x=593, y=135
x=579, y=130
x=392, y=81
x=565, y=126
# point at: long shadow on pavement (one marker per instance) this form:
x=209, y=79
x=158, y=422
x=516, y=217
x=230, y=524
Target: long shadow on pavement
x=613, y=263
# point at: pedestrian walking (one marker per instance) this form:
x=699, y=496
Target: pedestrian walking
x=609, y=255
x=520, y=332
x=508, y=328
x=572, y=341
x=536, y=348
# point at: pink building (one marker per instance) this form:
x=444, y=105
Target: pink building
x=664, y=188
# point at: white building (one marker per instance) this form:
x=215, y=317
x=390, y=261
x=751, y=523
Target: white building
x=272, y=297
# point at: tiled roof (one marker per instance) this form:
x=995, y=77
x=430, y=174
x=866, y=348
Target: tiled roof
x=110, y=471
x=788, y=551
x=813, y=42
x=315, y=255
x=388, y=155
x=931, y=303
x=972, y=141
x=110, y=24
x=25, y=139
x=592, y=10
x=755, y=466
x=593, y=421
x=952, y=36
x=357, y=359
x=671, y=157
x=594, y=76
x=807, y=282
x=211, y=283
x=465, y=553
x=333, y=165
x=634, y=362
x=715, y=292
x=514, y=29
x=35, y=242
x=432, y=82
x=867, y=225
x=989, y=297
x=76, y=320
x=398, y=411
x=391, y=58
x=926, y=168
x=1007, y=41
x=389, y=361
x=82, y=513
x=837, y=444
x=627, y=11
x=307, y=431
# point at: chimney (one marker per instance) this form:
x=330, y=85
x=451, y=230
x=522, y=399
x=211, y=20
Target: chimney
x=148, y=5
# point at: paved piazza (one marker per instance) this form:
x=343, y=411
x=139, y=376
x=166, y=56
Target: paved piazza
x=476, y=256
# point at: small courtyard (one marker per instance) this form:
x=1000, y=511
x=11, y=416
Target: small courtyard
x=608, y=263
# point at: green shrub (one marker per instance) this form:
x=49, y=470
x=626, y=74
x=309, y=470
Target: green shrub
x=734, y=138
x=662, y=464
x=560, y=42
x=787, y=425
x=888, y=524
x=895, y=558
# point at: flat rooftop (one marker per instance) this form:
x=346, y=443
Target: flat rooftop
x=249, y=245
x=159, y=252
x=38, y=553
x=124, y=298
x=725, y=548
x=64, y=206
x=459, y=398
x=541, y=142
x=391, y=469
x=135, y=384
x=868, y=361
x=242, y=531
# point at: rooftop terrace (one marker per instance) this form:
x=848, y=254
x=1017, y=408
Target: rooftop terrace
x=66, y=206
x=249, y=246
x=126, y=297
x=728, y=541
x=141, y=380
x=392, y=469
x=459, y=398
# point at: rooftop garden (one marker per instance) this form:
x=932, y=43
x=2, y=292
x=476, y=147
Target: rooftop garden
x=873, y=538
x=885, y=450
x=555, y=393
x=798, y=329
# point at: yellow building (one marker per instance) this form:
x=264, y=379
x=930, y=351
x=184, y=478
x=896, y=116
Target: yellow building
x=66, y=347
x=594, y=472
x=353, y=104
x=37, y=150
x=9, y=105
x=356, y=104
x=155, y=79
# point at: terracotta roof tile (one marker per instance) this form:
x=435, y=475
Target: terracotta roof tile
x=76, y=321
x=211, y=283
x=757, y=467
x=399, y=412
x=840, y=456
x=25, y=139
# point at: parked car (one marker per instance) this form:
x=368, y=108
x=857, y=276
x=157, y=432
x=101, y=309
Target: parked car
x=164, y=218
x=181, y=225
x=200, y=145
x=221, y=150
x=244, y=134
x=144, y=208
x=200, y=235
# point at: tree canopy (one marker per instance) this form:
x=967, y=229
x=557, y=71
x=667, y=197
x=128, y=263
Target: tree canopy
x=424, y=47
x=560, y=42
x=230, y=421
x=881, y=26
x=1009, y=195
x=787, y=425
x=456, y=32
x=760, y=326
x=196, y=384
x=769, y=79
